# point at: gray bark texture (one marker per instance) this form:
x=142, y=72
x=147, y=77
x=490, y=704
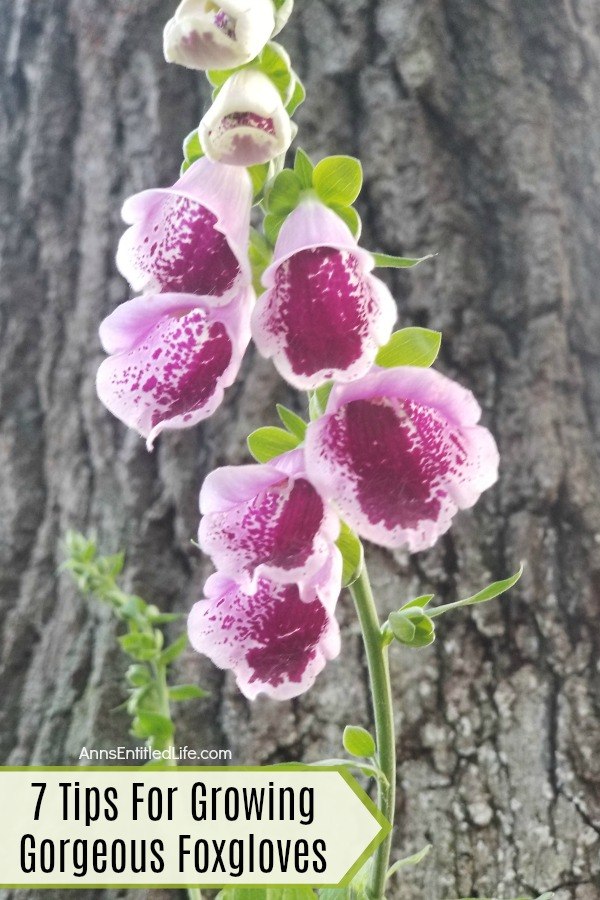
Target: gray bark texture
x=477, y=123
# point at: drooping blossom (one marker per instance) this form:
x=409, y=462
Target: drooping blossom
x=247, y=123
x=324, y=315
x=172, y=356
x=266, y=521
x=275, y=640
x=399, y=452
x=223, y=35
x=192, y=237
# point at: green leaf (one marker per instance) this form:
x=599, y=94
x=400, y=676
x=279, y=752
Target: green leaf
x=142, y=647
x=410, y=347
x=387, y=261
x=272, y=226
x=164, y=618
x=349, y=215
x=488, y=593
x=284, y=194
x=275, y=63
x=265, y=893
x=294, y=424
x=319, y=398
x=138, y=675
x=303, y=168
x=174, y=650
x=151, y=724
x=298, y=97
x=420, y=602
x=413, y=860
x=180, y=692
x=358, y=742
x=192, y=148
x=352, y=552
x=259, y=175
x=338, y=180
x=266, y=443
x=424, y=629
x=260, y=254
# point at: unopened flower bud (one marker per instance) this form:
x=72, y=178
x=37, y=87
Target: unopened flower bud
x=222, y=35
x=247, y=124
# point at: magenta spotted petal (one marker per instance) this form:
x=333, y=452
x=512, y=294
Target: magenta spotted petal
x=275, y=642
x=266, y=521
x=324, y=315
x=172, y=357
x=191, y=238
x=399, y=453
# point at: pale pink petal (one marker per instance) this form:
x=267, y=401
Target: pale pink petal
x=278, y=527
x=274, y=642
x=313, y=225
x=175, y=373
x=124, y=328
x=397, y=467
x=324, y=318
x=425, y=386
x=191, y=238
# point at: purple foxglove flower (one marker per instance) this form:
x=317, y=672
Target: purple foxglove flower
x=192, y=237
x=399, y=453
x=247, y=123
x=275, y=641
x=172, y=356
x=324, y=315
x=266, y=521
x=223, y=35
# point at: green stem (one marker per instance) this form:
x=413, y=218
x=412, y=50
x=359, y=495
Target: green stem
x=381, y=691
x=160, y=677
x=194, y=894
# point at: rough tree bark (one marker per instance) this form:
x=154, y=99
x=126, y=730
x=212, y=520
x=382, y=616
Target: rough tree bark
x=478, y=126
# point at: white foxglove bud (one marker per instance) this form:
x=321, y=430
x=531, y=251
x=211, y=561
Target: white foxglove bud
x=219, y=35
x=247, y=123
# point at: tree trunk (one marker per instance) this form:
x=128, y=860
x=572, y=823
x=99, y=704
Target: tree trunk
x=477, y=123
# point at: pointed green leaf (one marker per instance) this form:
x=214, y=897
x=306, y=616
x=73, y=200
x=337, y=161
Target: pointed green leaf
x=266, y=443
x=284, y=194
x=358, y=742
x=387, y=261
x=259, y=175
x=293, y=423
x=174, y=650
x=151, y=724
x=352, y=552
x=338, y=180
x=403, y=629
x=138, y=675
x=420, y=602
x=318, y=399
x=298, y=97
x=180, y=692
x=303, y=168
x=142, y=647
x=410, y=347
x=260, y=254
x=349, y=215
x=192, y=148
x=272, y=226
x=413, y=860
x=488, y=593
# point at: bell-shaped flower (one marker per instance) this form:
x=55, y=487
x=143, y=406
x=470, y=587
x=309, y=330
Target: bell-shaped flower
x=399, y=453
x=324, y=315
x=247, y=123
x=192, y=237
x=219, y=35
x=266, y=521
x=274, y=640
x=172, y=356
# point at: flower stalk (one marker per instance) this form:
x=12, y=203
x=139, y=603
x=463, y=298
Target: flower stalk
x=383, y=710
